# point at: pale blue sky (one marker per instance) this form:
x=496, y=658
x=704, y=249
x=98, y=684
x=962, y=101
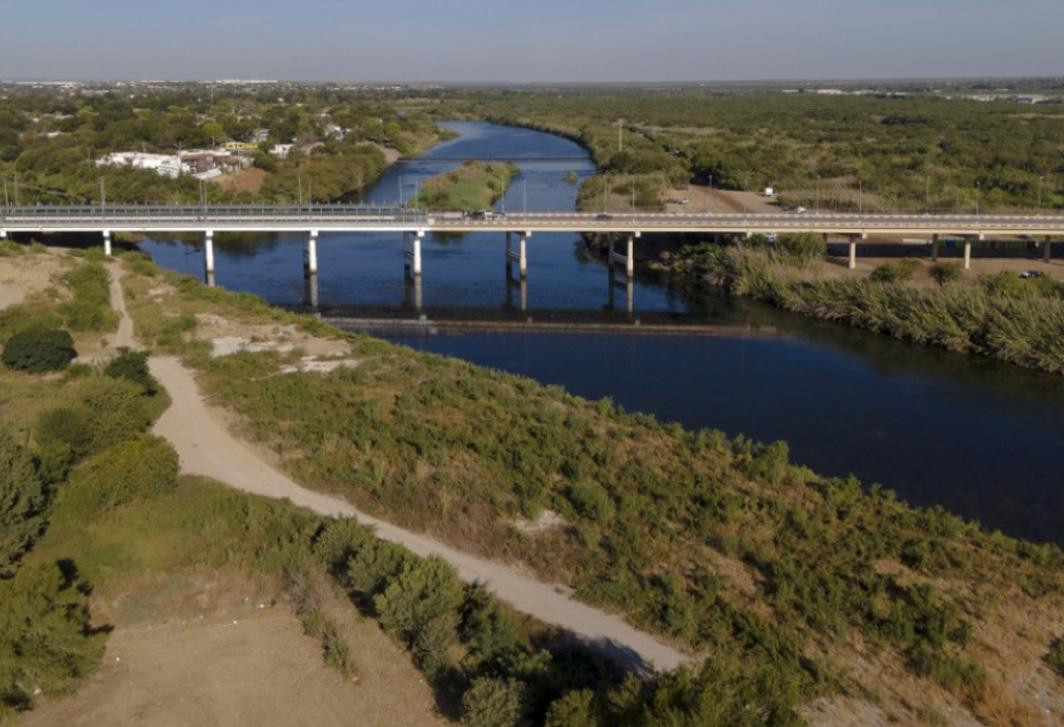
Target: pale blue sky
x=531, y=40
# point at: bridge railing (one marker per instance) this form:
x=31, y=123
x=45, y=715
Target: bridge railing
x=205, y=212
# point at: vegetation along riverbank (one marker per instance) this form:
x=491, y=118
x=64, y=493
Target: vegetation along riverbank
x=815, y=594
x=1000, y=315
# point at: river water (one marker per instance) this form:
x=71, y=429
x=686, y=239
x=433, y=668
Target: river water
x=980, y=438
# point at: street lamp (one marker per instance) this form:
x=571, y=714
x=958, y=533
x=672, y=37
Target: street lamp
x=818, y=194
x=1040, y=180
x=978, y=190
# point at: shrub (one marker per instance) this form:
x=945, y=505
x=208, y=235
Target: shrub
x=1055, y=656
x=373, y=566
x=573, y=709
x=895, y=272
x=21, y=502
x=101, y=413
x=39, y=349
x=804, y=247
x=46, y=640
x=133, y=366
x=90, y=309
x=491, y=702
x=590, y=500
x=339, y=541
x=486, y=628
x=943, y=273
x=423, y=591
x=129, y=471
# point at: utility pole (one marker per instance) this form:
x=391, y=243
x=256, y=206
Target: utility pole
x=860, y=196
x=299, y=181
x=103, y=194
x=1040, y=180
x=16, y=190
x=818, y=194
x=6, y=202
x=978, y=191
x=927, y=195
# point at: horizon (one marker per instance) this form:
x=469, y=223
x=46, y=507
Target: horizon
x=477, y=41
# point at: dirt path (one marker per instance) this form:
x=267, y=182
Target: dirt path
x=254, y=669
x=206, y=448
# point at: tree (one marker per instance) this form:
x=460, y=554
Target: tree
x=22, y=500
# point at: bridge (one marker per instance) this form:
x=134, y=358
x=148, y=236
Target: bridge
x=414, y=224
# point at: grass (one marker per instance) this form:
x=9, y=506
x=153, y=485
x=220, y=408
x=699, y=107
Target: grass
x=718, y=543
x=473, y=186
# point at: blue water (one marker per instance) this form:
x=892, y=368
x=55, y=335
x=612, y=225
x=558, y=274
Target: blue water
x=982, y=439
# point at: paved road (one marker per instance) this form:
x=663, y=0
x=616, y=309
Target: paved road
x=206, y=448
x=357, y=218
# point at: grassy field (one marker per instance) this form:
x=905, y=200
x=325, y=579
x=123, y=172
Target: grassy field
x=802, y=586
x=473, y=186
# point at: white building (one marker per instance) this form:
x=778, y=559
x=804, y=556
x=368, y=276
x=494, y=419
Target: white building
x=281, y=151
x=165, y=165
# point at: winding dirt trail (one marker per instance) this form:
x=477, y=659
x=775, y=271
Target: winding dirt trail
x=206, y=448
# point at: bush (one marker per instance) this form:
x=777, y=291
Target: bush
x=101, y=413
x=133, y=366
x=493, y=702
x=373, y=566
x=339, y=541
x=591, y=501
x=943, y=273
x=487, y=630
x=573, y=709
x=21, y=502
x=895, y=272
x=1055, y=656
x=804, y=247
x=423, y=591
x=90, y=309
x=37, y=350
x=129, y=471
x=46, y=640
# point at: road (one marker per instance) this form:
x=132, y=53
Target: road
x=358, y=218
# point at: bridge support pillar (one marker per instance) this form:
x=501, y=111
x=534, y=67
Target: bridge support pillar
x=310, y=260
x=853, y=252
x=208, y=252
x=3, y=234
x=107, y=243
x=521, y=255
x=967, y=253
x=1047, y=249
x=310, y=289
x=934, y=248
x=412, y=252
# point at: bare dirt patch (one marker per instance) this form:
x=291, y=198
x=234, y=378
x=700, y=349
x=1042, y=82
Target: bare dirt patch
x=250, y=668
x=546, y=521
x=20, y=279
x=228, y=337
x=247, y=180
x=719, y=201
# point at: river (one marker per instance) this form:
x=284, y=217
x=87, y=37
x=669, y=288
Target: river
x=980, y=438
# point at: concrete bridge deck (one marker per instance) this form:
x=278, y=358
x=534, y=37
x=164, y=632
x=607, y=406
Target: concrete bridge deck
x=362, y=218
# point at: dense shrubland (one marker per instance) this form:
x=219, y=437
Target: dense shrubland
x=719, y=543
x=1002, y=316
x=904, y=153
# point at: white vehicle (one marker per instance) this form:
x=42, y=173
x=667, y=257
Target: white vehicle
x=769, y=192
x=799, y=210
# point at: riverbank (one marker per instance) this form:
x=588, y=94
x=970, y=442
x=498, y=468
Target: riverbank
x=465, y=454
x=997, y=315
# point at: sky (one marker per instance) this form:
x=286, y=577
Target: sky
x=530, y=40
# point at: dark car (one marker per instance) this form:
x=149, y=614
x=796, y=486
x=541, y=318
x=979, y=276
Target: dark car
x=603, y=216
x=1028, y=274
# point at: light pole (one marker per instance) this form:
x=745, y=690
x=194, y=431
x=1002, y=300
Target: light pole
x=524, y=195
x=818, y=194
x=860, y=197
x=1040, y=180
x=927, y=194
x=978, y=190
